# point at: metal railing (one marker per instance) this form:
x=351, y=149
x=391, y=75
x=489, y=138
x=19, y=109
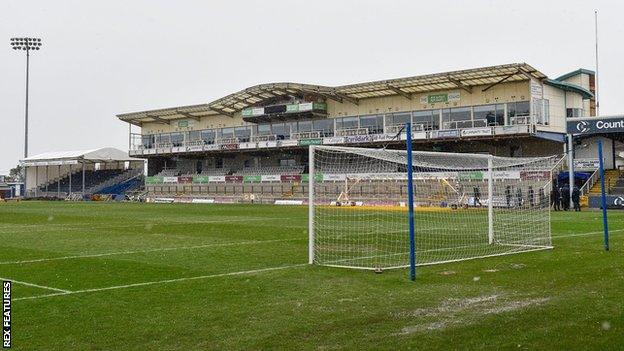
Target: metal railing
x=306, y=135
x=476, y=123
x=595, y=176
x=351, y=132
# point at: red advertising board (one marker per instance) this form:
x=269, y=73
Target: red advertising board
x=185, y=179
x=535, y=175
x=233, y=179
x=290, y=177
x=229, y=146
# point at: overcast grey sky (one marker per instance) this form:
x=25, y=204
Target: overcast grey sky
x=101, y=58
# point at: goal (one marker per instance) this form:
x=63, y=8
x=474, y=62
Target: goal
x=465, y=206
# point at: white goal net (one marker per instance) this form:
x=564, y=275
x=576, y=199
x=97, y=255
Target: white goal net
x=465, y=206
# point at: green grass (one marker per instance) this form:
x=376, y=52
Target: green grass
x=568, y=298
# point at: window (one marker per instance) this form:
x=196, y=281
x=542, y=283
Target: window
x=208, y=136
x=281, y=130
x=347, y=123
x=398, y=119
x=147, y=141
x=574, y=112
x=485, y=113
x=263, y=129
x=163, y=138
x=177, y=139
x=428, y=120
x=324, y=126
x=456, y=118
x=227, y=133
x=304, y=126
x=519, y=112
x=194, y=135
x=500, y=115
x=243, y=133
x=374, y=124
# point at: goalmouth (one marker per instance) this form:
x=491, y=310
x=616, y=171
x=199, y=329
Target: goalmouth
x=465, y=206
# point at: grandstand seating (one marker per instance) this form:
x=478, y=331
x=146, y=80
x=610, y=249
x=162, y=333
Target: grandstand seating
x=121, y=188
x=270, y=170
x=95, y=180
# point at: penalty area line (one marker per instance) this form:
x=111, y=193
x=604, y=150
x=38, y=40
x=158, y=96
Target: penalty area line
x=166, y=281
x=105, y=254
x=59, y=291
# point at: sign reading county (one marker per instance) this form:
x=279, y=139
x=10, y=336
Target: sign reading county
x=594, y=125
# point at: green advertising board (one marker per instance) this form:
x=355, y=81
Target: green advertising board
x=476, y=175
x=248, y=112
x=292, y=108
x=200, y=179
x=306, y=178
x=154, y=180
x=306, y=142
x=183, y=124
x=252, y=179
x=435, y=98
x=319, y=106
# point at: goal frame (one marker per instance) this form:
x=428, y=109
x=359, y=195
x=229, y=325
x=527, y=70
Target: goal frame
x=489, y=213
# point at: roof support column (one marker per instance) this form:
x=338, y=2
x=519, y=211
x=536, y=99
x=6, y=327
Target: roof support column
x=36, y=180
x=83, y=178
x=70, y=180
x=58, y=183
x=47, y=179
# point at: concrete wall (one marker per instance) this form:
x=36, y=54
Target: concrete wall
x=589, y=150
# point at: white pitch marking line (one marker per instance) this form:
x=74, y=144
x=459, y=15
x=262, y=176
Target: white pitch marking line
x=585, y=234
x=37, y=286
x=147, y=251
x=253, y=271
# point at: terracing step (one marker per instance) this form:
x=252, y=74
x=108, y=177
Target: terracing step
x=611, y=176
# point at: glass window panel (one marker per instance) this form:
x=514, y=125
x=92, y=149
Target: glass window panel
x=194, y=135
x=227, y=133
x=347, y=123
x=374, y=123
x=325, y=126
x=400, y=118
x=281, y=130
x=264, y=129
x=460, y=114
x=523, y=108
x=304, y=126
x=446, y=117
x=428, y=119
x=165, y=138
x=208, y=136
x=147, y=141
x=485, y=113
x=177, y=139
x=243, y=133
x=500, y=115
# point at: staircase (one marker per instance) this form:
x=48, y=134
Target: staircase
x=611, y=177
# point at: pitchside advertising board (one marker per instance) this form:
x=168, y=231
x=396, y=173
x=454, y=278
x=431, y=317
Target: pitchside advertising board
x=613, y=202
x=594, y=125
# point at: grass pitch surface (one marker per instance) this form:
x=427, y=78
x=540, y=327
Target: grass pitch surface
x=109, y=276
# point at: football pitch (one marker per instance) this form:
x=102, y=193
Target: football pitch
x=130, y=276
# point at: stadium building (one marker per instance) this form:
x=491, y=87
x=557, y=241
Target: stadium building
x=252, y=144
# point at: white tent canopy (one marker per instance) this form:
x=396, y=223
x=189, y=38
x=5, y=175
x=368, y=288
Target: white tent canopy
x=107, y=154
